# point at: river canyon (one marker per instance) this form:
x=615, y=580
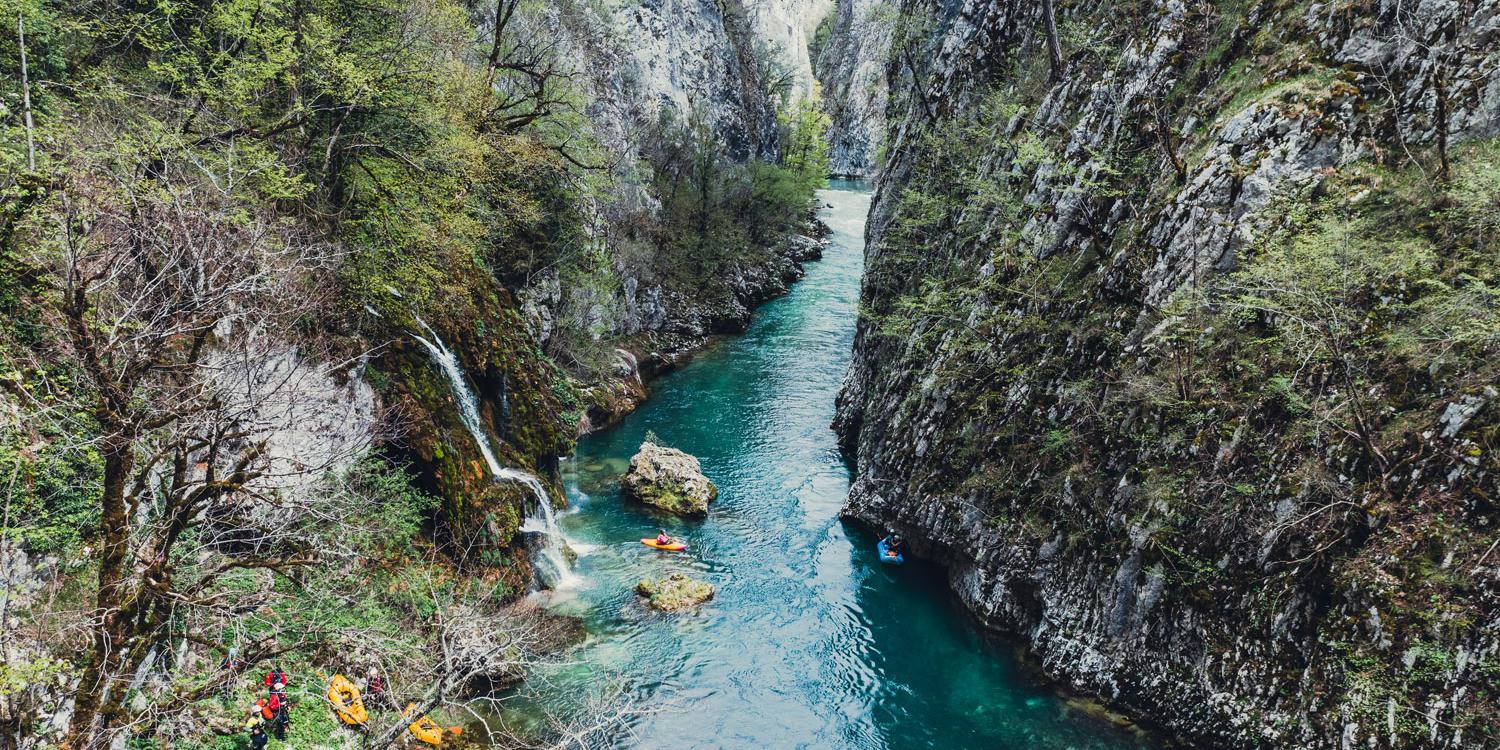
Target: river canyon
x=1166, y=333
x=810, y=641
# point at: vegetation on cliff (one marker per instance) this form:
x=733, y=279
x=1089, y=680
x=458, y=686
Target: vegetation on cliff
x=220, y=224
x=1199, y=329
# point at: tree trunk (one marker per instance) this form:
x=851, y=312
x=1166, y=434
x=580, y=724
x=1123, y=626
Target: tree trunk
x=111, y=625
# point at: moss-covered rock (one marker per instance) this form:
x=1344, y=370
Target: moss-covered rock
x=675, y=593
x=519, y=394
x=669, y=479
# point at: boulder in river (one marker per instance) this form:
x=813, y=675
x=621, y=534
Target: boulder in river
x=675, y=593
x=669, y=479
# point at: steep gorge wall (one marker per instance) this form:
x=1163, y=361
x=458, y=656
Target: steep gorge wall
x=1131, y=363
x=678, y=62
x=852, y=70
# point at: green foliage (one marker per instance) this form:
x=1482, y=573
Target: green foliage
x=822, y=35
x=51, y=487
x=19, y=674
x=397, y=509
x=803, y=129
x=312, y=726
x=716, y=210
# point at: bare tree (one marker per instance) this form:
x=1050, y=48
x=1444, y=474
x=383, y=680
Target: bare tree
x=169, y=293
x=478, y=650
x=531, y=79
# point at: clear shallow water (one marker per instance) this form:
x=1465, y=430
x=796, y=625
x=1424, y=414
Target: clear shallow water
x=810, y=642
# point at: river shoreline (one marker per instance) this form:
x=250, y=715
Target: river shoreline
x=647, y=357
x=809, y=640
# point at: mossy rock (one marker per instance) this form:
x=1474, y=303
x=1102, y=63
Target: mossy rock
x=675, y=593
x=669, y=479
x=520, y=396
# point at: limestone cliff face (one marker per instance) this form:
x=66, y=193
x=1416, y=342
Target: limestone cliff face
x=852, y=71
x=648, y=66
x=1078, y=381
x=787, y=27
x=671, y=56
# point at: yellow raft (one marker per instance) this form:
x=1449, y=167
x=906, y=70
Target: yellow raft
x=343, y=695
x=425, y=729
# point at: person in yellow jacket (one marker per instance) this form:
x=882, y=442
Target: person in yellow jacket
x=256, y=726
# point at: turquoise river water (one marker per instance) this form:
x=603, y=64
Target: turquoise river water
x=810, y=642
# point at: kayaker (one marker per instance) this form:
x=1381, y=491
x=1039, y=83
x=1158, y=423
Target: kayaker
x=895, y=546
x=662, y=538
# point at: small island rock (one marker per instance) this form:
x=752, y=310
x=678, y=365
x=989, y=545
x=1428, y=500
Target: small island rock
x=669, y=479
x=675, y=593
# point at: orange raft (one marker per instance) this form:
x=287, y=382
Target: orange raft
x=425, y=729
x=672, y=547
x=343, y=696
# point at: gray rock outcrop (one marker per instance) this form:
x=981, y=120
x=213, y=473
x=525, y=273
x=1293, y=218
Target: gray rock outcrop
x=669, y=479
x=852, y=71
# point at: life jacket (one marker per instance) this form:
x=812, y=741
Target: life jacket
x=277, y=704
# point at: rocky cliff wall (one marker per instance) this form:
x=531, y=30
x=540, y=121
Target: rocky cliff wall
x=638, y=66
x=1135, y=359
x=676, y=62
x=852, y=71
x=788, y=26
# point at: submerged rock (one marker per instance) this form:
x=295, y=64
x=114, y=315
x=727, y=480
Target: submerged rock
x=669, y=479
x=675, y=593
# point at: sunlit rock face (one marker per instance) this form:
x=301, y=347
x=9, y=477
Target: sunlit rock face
x=786, y=27
x=1049, y=397
x=852, y=71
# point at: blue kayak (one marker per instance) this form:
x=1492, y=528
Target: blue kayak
x=886, y=555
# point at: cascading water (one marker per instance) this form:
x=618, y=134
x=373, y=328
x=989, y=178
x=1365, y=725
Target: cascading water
x=541, y=519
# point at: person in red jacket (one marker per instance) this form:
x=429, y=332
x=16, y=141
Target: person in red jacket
x=280, y=710
x=274, y=676
x=375, y=690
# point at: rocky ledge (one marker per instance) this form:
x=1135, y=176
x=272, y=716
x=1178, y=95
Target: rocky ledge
x=675, y=593
x=670, y=480
x=661, y=327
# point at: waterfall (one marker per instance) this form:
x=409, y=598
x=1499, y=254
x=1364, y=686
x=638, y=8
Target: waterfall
x=468, y=406
x=541, y=518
